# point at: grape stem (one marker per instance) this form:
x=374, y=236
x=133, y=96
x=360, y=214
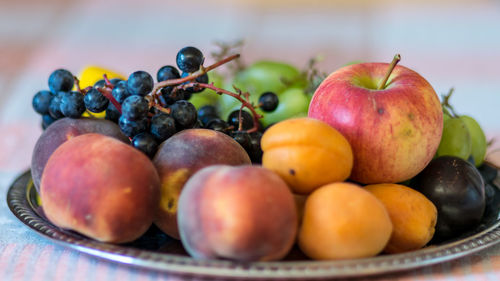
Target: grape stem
x=446, y=103
x=106, y=91
x=162, y=109
x=77, y=84
x=108, y=83
x=194, y=75
x=238, y=96
x=240, y=120
x=179, y=84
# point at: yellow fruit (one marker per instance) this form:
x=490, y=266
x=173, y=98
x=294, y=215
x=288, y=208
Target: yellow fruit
x=92, y=73
x=343, y=221
x=306, y=153
x=89, y=76
x=413, y=216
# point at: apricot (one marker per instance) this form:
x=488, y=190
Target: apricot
x=413, y=216
x=306, y=153
x=183, y=154
x=100, y=187
x=243, y=213
x=343, y=221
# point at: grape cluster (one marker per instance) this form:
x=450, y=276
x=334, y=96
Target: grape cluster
x=150, y=113
x=61, y=101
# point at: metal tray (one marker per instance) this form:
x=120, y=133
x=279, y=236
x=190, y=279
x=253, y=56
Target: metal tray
x=156, y=251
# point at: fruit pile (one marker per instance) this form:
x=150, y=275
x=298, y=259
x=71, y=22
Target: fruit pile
x=148, y=113
x=240, y=179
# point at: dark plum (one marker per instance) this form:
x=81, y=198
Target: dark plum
x=488, y=172
x=457, y=190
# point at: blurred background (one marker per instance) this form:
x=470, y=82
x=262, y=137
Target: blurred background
x=450, y=43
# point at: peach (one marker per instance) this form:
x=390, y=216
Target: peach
x=100, y=187
x=343, y=221
x=244, y=213
x=306, y=153
x=61, y=131
x=180, y=156
x=413, y=216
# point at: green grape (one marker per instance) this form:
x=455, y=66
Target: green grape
x=226, y=104
x=446, y=114
x=456, y=140
x=478, y=139
x=293, y=102
x=207, y=96
x=446, y=117
x=264, y=76
x=260, y=77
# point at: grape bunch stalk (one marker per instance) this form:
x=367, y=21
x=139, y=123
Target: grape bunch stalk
x=148, y=112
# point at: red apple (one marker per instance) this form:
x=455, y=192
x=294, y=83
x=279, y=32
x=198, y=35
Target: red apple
x=390, y=115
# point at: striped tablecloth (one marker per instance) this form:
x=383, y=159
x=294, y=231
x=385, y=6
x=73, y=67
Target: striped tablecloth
x=451, y=43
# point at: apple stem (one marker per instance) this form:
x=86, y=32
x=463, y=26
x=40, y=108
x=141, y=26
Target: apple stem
x=393, y=64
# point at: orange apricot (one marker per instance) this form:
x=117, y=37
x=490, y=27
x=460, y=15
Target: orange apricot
x=306, y=153
x=343, y=221
x=413, y=216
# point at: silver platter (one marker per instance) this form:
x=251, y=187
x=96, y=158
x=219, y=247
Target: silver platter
x=156, y=251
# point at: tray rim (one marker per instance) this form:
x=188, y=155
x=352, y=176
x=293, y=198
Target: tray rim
x=18, y=203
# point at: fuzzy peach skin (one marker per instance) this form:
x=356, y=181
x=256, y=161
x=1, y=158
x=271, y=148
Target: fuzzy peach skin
x=100, y=187
x=343, y=221
x=180, y=156
x=244, y=213
x=62, y=130
x=413, y=216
